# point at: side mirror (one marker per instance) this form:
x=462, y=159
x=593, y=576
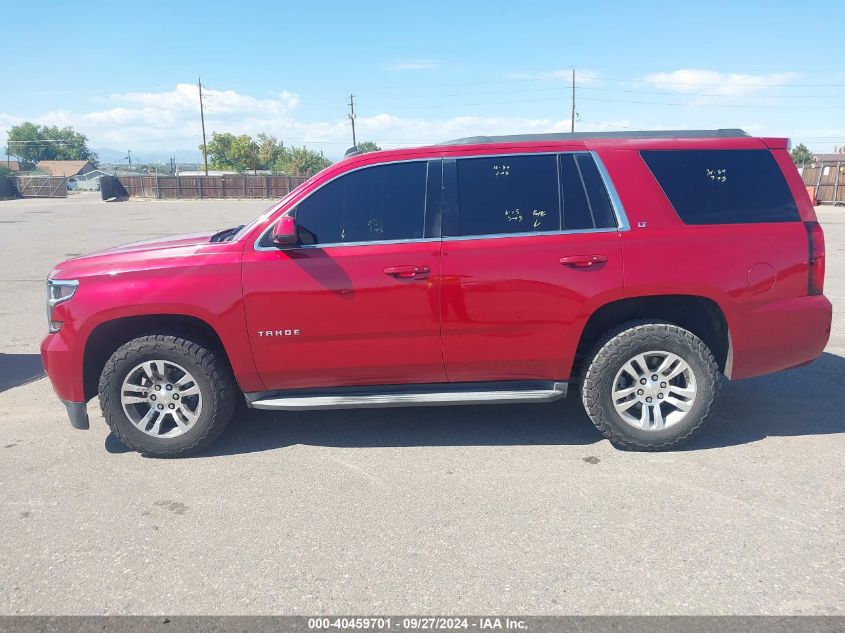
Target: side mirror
x=284, y=232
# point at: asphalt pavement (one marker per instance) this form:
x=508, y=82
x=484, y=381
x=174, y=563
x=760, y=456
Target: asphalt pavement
x=519, y=509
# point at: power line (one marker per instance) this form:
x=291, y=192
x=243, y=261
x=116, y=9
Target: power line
x=80, y=92
x=657, y=103
x=614, y=90
x=714, y=105
x=552, y=77
x=46, y=140
x=677, y=93
x=718, y=83
x=598, y=77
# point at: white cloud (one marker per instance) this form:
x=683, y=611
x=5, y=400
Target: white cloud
x=7, y=121
x=185, y=97
x=169, y=120
x=692, y=80
x=413, y=64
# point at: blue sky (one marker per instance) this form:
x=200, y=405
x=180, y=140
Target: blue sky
x=124, y=74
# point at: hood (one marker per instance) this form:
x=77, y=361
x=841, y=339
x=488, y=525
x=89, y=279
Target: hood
x=133, y=256
x=174, y=241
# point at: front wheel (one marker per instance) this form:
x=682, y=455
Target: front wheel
x=649, y=385
x=166, y=396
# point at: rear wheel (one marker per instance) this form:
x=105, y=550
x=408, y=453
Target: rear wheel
x=166, y=396
x=649, y=385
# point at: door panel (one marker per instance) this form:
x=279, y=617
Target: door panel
x=330, y=313
x=356, y=324
x=532, y=251
x=512, y=311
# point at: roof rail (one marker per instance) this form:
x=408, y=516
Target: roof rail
x=575, y=136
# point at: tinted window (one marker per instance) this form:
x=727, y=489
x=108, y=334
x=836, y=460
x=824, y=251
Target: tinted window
x=385, y=202
x=723, y=186
x=600, y=207
x=508, y=194
x=576, y=209
x=585, y=201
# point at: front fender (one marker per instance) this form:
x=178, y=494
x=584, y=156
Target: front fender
x=210, y=292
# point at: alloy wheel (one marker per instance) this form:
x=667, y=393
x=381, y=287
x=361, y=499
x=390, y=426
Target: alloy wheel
x=654, y=390
x=161, y=398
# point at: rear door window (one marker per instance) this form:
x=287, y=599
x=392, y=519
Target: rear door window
x=723, y=186
x=508, y=195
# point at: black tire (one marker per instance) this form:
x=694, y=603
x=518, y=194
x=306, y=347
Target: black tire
x=620, y=345
x=216, y=384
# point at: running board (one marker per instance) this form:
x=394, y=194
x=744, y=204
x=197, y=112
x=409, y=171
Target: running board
x=375, y=400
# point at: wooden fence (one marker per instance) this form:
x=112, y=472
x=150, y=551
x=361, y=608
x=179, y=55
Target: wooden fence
x=42, y=186
x=199, y=187
x=829, y=181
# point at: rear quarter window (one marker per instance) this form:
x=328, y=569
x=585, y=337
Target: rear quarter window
x=723, y=186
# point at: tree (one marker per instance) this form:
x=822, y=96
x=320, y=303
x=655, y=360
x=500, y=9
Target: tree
x=301, y=161
x=31, y=143
x=227, y=151
x=243, y=153
x=269, y=150
x=801, y=155
x=368, y=146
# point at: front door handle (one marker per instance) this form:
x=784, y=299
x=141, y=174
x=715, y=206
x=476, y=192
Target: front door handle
x=406, y=272
x=582, y=261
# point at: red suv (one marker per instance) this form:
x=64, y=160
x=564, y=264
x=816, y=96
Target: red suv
x=638, y=266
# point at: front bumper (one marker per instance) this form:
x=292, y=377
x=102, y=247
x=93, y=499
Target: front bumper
x=78, y=414
x=65, y=372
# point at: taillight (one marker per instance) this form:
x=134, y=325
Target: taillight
x=815, y=237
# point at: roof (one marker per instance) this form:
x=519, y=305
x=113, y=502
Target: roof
x=829, y=158
x=61, y=167
x=11, y=164
x=575, y=136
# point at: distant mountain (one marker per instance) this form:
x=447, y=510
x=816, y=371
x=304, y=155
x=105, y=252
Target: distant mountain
x=109, y=155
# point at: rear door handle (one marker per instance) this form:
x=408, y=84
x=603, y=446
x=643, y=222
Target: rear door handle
x=406, y=272
x=582, y=261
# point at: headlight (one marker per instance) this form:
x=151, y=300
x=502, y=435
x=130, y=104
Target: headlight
x=58, y=291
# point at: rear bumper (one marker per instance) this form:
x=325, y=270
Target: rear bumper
x=779, y=335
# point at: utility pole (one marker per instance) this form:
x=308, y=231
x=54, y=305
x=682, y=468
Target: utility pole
x=351, y=116
x=572, y=124
x=129, y=158
x=202, y=120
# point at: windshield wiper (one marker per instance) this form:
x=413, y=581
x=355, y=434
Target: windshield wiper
x=226, y=234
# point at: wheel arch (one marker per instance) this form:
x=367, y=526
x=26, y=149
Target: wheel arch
x=700, y=315
x=109, y=335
